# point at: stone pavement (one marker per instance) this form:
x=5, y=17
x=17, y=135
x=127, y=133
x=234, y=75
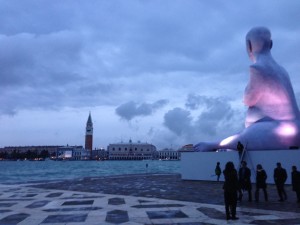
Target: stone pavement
x=160, y=199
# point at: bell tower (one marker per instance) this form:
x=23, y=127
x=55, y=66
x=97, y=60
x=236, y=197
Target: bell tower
x=89, y=135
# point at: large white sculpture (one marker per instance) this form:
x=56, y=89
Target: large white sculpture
x=272, y=120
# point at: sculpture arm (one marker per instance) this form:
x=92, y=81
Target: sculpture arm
x=254, y=88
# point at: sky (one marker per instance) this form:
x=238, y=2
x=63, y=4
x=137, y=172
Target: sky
x=168, y=73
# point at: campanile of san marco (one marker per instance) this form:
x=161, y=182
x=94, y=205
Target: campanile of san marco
x=89, y=134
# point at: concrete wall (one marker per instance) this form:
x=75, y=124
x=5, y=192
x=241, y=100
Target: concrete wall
x=201, y=165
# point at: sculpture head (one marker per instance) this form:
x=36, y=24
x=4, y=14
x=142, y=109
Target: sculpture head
x=258, y=40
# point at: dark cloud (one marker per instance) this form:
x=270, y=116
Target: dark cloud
x=178, y=120
x=68, y=47
x=194, y=101
x=132, y=109
x=215, y=118
x=217, y=112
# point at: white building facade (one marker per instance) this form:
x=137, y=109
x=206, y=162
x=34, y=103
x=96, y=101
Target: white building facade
x=72, y=153
x=168, y=155
x=131, y=151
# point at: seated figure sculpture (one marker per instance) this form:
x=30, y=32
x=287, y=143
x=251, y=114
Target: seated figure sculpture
x=272, y=121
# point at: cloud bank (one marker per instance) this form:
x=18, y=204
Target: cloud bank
x=131, y=109
x=177, y=69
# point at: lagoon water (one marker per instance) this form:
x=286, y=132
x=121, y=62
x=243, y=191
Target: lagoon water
x=28, y=171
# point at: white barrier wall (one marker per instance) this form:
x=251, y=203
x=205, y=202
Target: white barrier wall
x=201, y=165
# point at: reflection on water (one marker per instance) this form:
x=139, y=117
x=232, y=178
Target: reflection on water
x=24, y=171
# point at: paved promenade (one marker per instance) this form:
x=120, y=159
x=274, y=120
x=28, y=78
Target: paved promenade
x=160, y=199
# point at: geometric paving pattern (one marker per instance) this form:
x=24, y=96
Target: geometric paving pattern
x=157, y=206
x=37, y=204
x=166, y=214
x=212, y=213
x=81, y=202
x=72, y=209
x=14, y=218
x=116, y=201
x=75, y=218
x=22, y=205
x=9, y=204
x=117, y=216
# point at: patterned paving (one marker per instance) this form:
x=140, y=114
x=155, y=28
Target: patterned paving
x=20, y=204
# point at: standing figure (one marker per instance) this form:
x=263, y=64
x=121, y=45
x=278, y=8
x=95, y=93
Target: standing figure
x=269, y=93
x=261, y=177
x=272, y=120
x=296, y=182
x=245, y=181
x=240, y=148
x=218, y=171
x=280, y=177
x=230, y=190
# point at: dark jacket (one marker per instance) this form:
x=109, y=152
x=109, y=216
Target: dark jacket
x=231, y=181
x=261, y=177
x=296, y=180
x=244, y=178
x=280, y=175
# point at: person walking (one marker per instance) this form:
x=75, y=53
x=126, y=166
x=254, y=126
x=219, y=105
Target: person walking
x=296, y=182
x=261, y=177
x=280, y=177
x=218, y=171
x=245, y=181
x=230, y=190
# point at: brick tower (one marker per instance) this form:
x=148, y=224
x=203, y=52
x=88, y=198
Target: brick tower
x=89, y=135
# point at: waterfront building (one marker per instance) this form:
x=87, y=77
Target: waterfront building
x=72, y=153
x=50, y=150
x=99, y=154
x=89, y=134
x=131, y=151
x=168, y=154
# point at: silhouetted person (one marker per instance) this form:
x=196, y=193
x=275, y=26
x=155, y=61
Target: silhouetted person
x=245, y=181
x=218, y=171
x=280, y=177
x=261, y=177
x=230, y=190
x=296, y=182
x=240, y=148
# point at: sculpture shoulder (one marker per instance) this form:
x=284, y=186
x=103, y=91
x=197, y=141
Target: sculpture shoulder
x=257, y=68
x=262, y=72
x=257, y=73
x=268, y=68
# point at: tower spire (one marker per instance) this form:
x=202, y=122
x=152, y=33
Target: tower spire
x=89, y=135
x=89, y=121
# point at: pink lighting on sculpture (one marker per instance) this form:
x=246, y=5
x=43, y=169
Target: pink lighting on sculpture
x=228, y=140
x=272, y=119
x=286, y=129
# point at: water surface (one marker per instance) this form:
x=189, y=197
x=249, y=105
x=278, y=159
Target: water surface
x=27, y=171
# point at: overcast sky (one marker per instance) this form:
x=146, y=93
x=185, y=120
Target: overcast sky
x=169, y=72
